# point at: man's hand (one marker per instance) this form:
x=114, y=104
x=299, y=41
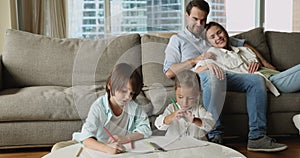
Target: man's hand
x=203, y=56
x=253, y=67
x=188, y=64
x=208, y=55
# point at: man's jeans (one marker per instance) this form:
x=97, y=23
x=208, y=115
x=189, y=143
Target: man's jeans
x=214, y=92
x=287, y=81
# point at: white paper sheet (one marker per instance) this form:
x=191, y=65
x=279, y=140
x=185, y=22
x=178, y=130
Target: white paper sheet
x=142, y=147
x=168, y=143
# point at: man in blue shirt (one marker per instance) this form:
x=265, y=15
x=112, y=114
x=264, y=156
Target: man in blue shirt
x=188, y=47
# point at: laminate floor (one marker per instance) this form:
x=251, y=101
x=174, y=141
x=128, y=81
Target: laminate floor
x=293, y=150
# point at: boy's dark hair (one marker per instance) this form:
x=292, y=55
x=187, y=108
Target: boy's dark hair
x=122, y=74
x=188, y=78
x=201, y=4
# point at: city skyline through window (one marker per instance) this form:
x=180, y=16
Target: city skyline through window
x=87, y=18
x=104, y=18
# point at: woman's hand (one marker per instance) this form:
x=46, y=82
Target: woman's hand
x=253, y=67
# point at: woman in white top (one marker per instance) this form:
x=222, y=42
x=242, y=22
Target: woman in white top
x=244, y=60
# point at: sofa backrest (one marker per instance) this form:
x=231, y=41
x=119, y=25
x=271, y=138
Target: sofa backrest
x=284, y=49
x=157, y=87
x=256, y=38
x=34, y=60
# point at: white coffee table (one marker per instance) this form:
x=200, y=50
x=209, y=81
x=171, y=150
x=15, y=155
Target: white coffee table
x=205, y=150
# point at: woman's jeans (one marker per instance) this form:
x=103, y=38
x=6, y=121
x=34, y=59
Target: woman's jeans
x=214, y=92
x=287, y=81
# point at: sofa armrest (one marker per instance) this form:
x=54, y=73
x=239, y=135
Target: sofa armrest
x=0, y=71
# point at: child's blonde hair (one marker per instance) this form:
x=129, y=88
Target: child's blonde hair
x=122, y=74
x=188, y=78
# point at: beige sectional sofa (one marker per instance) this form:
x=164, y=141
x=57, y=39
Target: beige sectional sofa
x=48, y=84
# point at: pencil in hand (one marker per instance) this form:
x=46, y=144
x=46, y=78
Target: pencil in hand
x=175, y=104
x=108, y=132
x=177, y=107
x=131, y=144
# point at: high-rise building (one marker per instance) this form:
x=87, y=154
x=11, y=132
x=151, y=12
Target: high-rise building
x=217, y=11
x=87, y=18
x=164, y=15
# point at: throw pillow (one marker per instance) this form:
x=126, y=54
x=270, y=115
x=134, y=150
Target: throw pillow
x=256, y=38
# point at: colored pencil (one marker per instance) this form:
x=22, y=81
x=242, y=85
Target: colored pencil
x=79, y=152
x=107, y=131
x=176, y=105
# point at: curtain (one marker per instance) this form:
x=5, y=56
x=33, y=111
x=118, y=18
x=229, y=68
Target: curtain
x=45, y=17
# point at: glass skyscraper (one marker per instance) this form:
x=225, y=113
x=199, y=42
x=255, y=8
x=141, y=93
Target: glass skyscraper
x=95, y=18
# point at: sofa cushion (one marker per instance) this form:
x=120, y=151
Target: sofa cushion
x=233, y=105
x=31, y=59
x=257, y=39
x=156, y=84
x=36, y=133
x=1, y=72
x=285, y=103
x=36, y=60
x=96, y=58
x=284, y=49
x=160, y=98
x=153, y=55
x=43, y=103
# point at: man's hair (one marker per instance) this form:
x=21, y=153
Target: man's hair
x=201, y=4
x=119, y=77
x=188, y=78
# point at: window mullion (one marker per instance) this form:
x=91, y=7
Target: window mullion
x=107, y=19
x=259, y=13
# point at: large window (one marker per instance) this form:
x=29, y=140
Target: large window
x=103, y=18
x=282, y=15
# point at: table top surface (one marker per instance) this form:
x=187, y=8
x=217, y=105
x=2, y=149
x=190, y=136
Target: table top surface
x=201, y=149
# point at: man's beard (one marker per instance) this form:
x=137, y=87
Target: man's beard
x=199, y=31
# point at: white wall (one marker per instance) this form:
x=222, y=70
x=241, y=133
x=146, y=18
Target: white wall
x=5, y=21
x=240, y=15
x=278, y=15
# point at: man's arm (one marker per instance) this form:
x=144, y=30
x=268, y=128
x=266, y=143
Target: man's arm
x=189, y=64
x=175, y=68
x=264, y=62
